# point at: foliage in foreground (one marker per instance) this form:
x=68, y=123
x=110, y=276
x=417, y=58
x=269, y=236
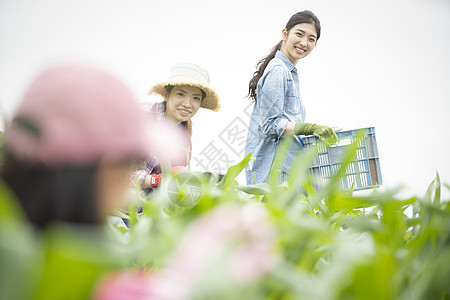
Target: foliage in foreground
x=199, y=239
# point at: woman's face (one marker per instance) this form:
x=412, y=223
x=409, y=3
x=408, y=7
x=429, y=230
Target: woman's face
x=183, y=102
x=299, y=41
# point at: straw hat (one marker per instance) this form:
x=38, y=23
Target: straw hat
x=192, y=75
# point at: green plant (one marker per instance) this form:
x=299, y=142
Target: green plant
x=265, y=241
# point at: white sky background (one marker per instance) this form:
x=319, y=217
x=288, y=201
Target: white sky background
x=378, y=63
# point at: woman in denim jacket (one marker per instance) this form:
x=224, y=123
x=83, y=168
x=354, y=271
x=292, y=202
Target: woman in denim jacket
x=279, y=109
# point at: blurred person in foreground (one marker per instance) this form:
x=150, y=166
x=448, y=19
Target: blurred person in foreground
x=69, y=152
x=71, y=145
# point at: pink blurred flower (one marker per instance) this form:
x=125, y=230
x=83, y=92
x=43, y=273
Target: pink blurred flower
x=124, y=285
x=241, y=235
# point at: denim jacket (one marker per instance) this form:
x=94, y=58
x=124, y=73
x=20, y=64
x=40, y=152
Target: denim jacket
x=278, y=102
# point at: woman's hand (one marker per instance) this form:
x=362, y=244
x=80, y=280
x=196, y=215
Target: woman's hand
x=154, y=180
x=324, y=132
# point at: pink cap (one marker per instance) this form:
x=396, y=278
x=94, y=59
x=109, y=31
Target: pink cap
x=75, y=114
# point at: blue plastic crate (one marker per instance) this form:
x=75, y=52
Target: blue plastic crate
x=362, y=173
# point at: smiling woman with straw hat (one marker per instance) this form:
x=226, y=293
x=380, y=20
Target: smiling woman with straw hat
x=186, y=89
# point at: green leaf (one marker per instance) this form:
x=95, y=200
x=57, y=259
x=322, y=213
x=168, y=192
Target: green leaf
x=20, y=260
x=280, y=154
x=255, y=189
x=229, y=179
x=437, y=190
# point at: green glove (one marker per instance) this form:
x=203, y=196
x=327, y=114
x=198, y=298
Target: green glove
x=324, y=132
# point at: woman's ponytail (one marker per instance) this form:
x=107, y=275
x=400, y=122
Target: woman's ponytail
x=260, y=67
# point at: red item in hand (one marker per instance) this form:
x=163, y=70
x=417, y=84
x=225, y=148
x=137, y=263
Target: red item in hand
x=155, y=180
